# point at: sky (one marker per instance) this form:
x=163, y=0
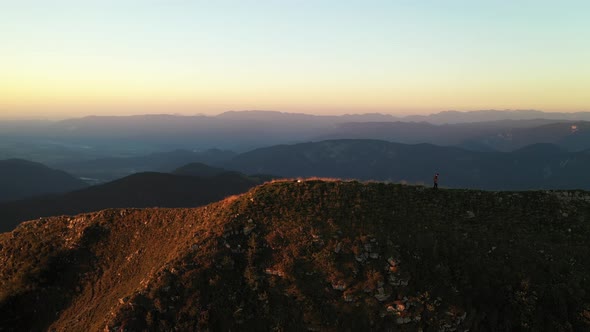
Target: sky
x=63, y=59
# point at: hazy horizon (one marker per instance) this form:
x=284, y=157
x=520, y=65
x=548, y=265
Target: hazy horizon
x=211, y=114
x=64, y=59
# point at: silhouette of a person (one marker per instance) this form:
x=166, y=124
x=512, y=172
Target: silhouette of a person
x=435, y=181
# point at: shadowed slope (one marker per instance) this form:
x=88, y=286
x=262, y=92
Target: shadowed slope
x=309, y=255
x=22, y=178
x=137, y=190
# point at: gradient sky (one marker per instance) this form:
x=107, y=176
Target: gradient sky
x=74, y=58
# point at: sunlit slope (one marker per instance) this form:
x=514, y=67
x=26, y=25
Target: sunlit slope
x=319, y=255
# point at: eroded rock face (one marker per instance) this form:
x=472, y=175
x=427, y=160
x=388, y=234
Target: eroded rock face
x=311, y=255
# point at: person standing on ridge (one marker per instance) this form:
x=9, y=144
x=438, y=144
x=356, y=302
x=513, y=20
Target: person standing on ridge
x=435, y=181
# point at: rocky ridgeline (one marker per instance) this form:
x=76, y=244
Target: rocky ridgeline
x=309, y=255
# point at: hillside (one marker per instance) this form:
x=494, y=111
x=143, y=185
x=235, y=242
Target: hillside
x=539, y=166
x=22, y=178
x=137, y=190
x=312, y=255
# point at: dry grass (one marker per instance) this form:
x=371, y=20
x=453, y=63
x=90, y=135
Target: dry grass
x=313, y=178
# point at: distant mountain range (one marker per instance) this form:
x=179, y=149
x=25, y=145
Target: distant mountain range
x=539, y=166
x=22, y=178
x=96, y=137
x=449, y=117
x=308, y=256
x=192, y=185
x=505, y=135
x=108, y=169
x=199, y=169
x=535, y=166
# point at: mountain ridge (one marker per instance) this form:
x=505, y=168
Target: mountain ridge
x=308, y=255
x=534, y=168
x=140, y=190
x=441, y=117
x=89, y=138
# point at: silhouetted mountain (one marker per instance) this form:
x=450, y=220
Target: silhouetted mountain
x=232, y=130
x=199, y=169
x=107, y=169
x=308, y=256
x=137, y=190
x=504, y=135
x=548, y=167
x=274, y=117
x=22, y=178
x=202, y=170
x=573, y=136
x=307, y=119
x=495, y=115
x=96, y=137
